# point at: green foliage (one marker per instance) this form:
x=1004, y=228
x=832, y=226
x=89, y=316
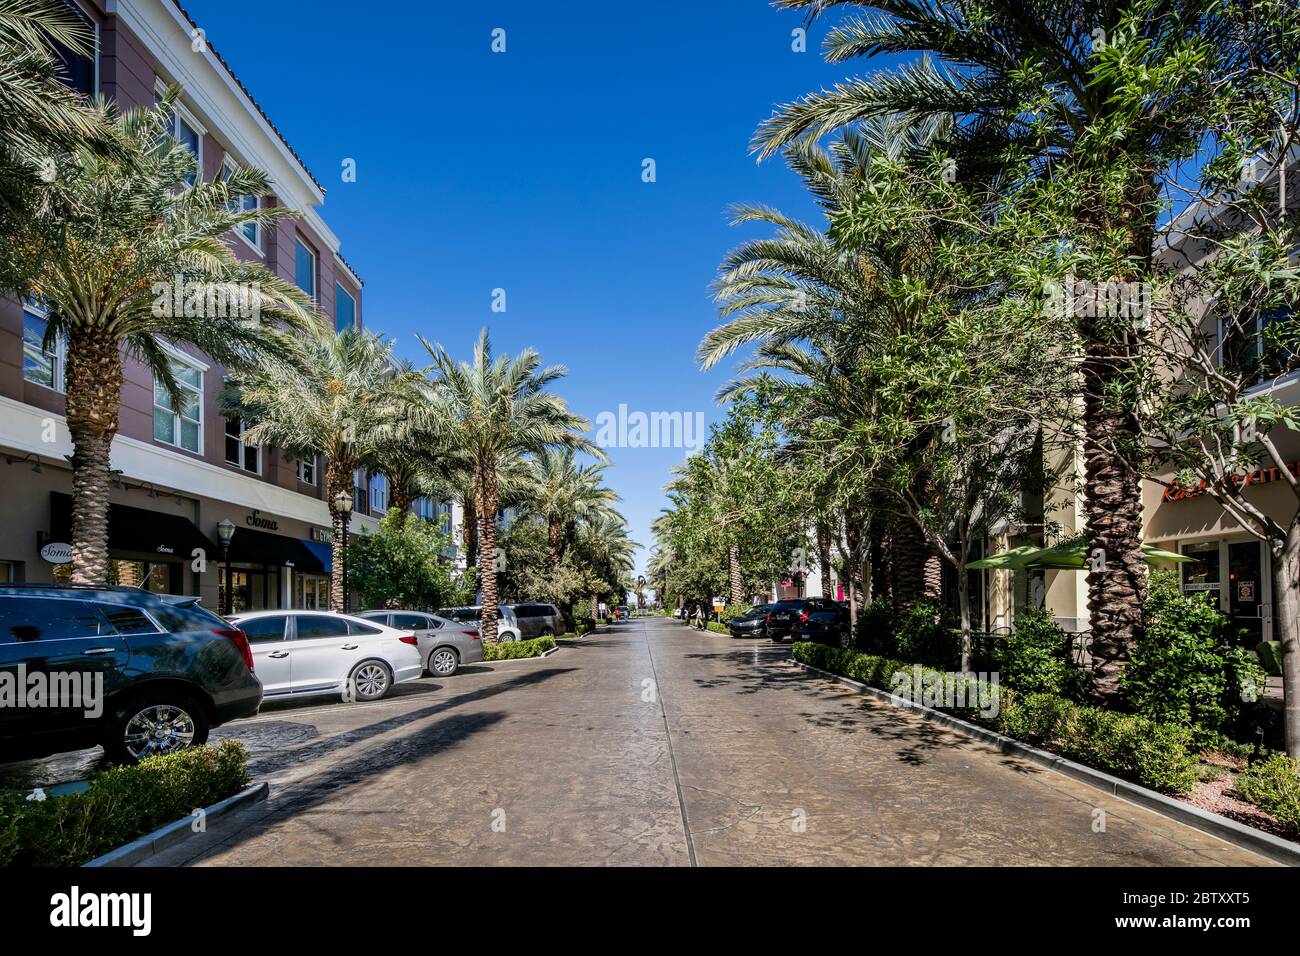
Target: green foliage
x=1035, y=658
x=734, y=610
x=1187, y=669
x=512, y=650
x=122, y=804
x=928, y=634
x=401, y=565
x=874, y=634
x=1273, y=785
x=1155, y=755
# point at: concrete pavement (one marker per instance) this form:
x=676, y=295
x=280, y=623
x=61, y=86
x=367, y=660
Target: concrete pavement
x=651, y=744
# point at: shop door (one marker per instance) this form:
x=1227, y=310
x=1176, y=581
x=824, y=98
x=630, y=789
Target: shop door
x=1246, y=589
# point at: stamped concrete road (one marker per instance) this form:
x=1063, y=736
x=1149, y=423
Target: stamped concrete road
x=651, y=744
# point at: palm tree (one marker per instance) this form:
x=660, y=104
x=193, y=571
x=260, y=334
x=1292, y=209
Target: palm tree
x=344, y=398
x=1022, y=80
x=113, y=239
x=609, y=551
x=499, y=408
x=40, y=115
x=566, y=493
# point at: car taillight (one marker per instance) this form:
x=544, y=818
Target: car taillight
x=474, y=635
x=240, y=640
x=803, y=617
x=769, y=617
x=409, y=639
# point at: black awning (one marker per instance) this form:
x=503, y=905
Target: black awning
x=262, y=547
x=137, y=529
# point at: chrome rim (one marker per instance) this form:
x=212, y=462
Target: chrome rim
x=371, y=680
x=158, y=729
x=444, y=663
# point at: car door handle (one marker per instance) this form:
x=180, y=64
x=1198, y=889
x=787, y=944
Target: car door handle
x=278, y=654
x=97, y=651
x=349, y=647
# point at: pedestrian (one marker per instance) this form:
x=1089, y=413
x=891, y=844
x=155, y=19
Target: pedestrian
x=699, y=617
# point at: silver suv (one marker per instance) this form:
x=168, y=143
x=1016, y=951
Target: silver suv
x=538, y=620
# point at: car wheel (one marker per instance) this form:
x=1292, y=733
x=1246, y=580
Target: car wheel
x=370, y=680
x=547, y=632
x=147, y=725
x=443, y=662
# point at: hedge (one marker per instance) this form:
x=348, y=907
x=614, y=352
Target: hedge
x=1273, y=785
x=122, y=804
x=1159, y=756
x=510, y=650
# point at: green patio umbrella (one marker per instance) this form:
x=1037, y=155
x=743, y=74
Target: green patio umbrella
x=1062, y=557
x=1006, y=559
x=1071, y=557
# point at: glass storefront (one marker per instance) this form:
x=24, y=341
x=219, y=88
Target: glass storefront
x=160, y=577
x=251, y=589
x=1236, y=574
x=312, y=592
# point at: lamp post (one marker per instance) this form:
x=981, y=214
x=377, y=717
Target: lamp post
x=226, y=531
x=343, y=506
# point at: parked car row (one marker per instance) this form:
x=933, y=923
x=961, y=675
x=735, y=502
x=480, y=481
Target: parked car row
x=143, y=674
x=801, y=619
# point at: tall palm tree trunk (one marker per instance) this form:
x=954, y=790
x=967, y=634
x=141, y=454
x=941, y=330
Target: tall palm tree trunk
x=1117, y=574
x=487, y=508
x=555, y=541
x=737, y=594
x=94, y=386
x=469, y=530
x=400, y=497
x=910, y=571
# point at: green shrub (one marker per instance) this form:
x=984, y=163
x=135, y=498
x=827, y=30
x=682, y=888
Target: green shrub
x=734, y=610
x=875, y=628
x=512, y=650
x=1187, y=669
x=1155, y=755
x=927, y=634
x=1035, y=658
x=1273, y=785
x=122, y=804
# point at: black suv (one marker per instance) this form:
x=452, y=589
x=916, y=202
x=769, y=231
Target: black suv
x=823, y=625
x=139, y=673
x=784, y=615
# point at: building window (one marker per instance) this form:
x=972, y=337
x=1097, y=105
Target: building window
x=304, y=268
x=180, y=425
x=80, y=69
x=378, y=494
x=360, y=496
x=189, y=134
x=247, y=457
x=424, y=508
x=345, y=309
x=250, y=232
x=307, y=470
x=39, y=366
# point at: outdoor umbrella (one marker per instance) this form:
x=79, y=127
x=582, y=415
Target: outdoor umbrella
x=1006, y=559
x=1063, y=557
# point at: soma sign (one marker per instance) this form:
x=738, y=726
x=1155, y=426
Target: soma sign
x=1260, y=476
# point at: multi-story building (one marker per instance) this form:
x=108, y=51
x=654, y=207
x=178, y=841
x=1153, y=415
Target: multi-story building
x=182, y=471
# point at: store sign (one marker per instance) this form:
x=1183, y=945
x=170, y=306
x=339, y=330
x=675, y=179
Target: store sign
x=323, y=535
x=57, y=553
x=1246, y=592
x=255, y=520
x=1260, y=476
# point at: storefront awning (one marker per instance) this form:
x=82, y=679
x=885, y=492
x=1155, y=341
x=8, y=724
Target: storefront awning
x=136, y=529
x=261, y=547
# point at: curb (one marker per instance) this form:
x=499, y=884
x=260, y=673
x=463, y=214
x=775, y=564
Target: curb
x=1266, y=844
x=178, y=832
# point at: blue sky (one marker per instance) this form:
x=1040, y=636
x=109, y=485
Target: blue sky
x=522, y=171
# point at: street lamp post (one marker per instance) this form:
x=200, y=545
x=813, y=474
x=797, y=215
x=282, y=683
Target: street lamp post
x=226, y=531
x=343, y=505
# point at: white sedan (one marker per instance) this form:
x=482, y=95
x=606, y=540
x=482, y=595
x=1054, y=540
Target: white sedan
x=301, y=653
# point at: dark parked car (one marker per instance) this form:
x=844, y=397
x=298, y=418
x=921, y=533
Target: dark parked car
x=825, y=625
x=753, y=623
x=784, y=615
x=139, y=673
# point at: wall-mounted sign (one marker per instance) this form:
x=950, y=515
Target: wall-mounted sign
x=1260, y=476
x=255, y=520
x=323, y=535
x=1246, y=592
x=56, y=552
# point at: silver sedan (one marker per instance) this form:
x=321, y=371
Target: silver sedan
x=444, y=644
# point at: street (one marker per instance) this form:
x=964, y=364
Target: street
x=651, y=744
